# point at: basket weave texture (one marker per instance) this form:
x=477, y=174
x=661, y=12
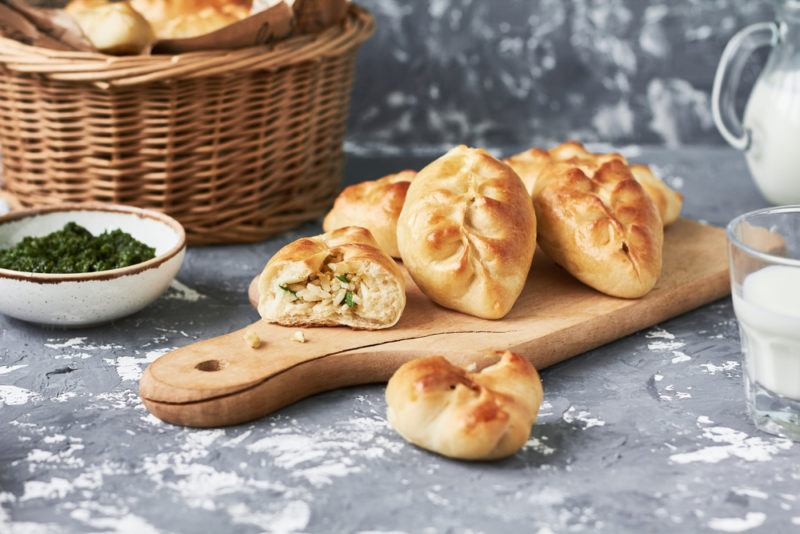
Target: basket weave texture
x=236, y=145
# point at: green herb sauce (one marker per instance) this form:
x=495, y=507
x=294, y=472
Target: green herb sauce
x=74, y=249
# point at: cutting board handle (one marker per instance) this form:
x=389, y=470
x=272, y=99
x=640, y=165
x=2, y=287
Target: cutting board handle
x=223, y=381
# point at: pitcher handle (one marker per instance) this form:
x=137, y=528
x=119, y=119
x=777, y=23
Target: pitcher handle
x=729, y=73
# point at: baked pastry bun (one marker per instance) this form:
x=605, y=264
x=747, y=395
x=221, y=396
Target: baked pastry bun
x=374, y=205
x=467, y=233
x=116, y=28
x=338, y=278
x=472, y=416
x=602, y=228
x=178, y=19
x=531, y=163
x=667, y=201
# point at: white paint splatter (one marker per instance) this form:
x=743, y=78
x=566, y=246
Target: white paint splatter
x=660, y=346
x=571, y=416
x=539, y=446
x=750, y=492
x=5, y=369
x=659, y=333
x=680, y=357
x=56, y=488
x=130, y=367
x=16, y=396
x=64, y=397
x=734, y=444
x=294, y=516
x=738, y=524
x=329, y=453
x=180, y=291
x=65, y=344
x=727, y=366
x=124, y=523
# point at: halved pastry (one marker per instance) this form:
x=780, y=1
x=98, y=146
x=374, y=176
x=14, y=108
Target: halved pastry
x=374, y=205
x=532, y=163
x=469, y=415
x=467, y=233
x=338, y=278
x=603, y=227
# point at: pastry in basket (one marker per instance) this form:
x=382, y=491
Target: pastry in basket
x=602, y=227
x=116, y=28
x=374, y=205
x=178, y=19
x=530, y=164
x=338, y=278
x=472, y=416
x=467, y=233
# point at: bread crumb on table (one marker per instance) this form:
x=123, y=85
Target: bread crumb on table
x=252, y=339
x=298, y=336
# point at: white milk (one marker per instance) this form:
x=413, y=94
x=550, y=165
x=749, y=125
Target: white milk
x=773, y=116
x=769, y=314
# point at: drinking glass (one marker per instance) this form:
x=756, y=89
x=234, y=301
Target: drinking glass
x=764, y=252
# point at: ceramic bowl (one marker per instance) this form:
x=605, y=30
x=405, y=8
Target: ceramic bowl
x=90, y=298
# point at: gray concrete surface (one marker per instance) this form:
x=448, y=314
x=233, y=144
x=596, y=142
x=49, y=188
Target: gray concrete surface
x=647, y=434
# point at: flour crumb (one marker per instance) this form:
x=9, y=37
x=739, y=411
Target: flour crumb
x=298, y=336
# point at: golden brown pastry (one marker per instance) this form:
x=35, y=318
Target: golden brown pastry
x=667, y=201
x=467, y=233
x=338, y=278
x=472, y=416
x=531, y=163
x=603, y=228
x=374, y=205
x=178, y=19
x=112, y=28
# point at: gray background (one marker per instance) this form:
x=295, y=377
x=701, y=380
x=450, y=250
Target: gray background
x=517, y=72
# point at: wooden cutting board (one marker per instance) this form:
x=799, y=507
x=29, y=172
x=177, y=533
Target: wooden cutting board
x=223, y=381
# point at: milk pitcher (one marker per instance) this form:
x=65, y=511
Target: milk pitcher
x=769, y=133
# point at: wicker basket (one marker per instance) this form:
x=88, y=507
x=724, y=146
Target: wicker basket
x=237, y=145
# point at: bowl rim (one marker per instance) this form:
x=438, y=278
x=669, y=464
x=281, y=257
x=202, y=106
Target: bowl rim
x=56, y=278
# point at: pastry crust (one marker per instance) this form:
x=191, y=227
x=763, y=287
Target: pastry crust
x=472, y=416
x=602, y=228
x=531, y=163
x=467, y=233
x=667, y=201
x=177, y=19
x=374, y=205
x=112, y=28
x=338, y=278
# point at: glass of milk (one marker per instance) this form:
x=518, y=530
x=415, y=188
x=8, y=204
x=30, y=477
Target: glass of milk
x=764, y=251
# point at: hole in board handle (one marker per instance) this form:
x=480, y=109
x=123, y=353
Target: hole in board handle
x=210, y=366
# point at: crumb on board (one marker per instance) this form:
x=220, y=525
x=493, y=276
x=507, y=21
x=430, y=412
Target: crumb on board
x=471, y=368
x=298, y=336
x=252, y=339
